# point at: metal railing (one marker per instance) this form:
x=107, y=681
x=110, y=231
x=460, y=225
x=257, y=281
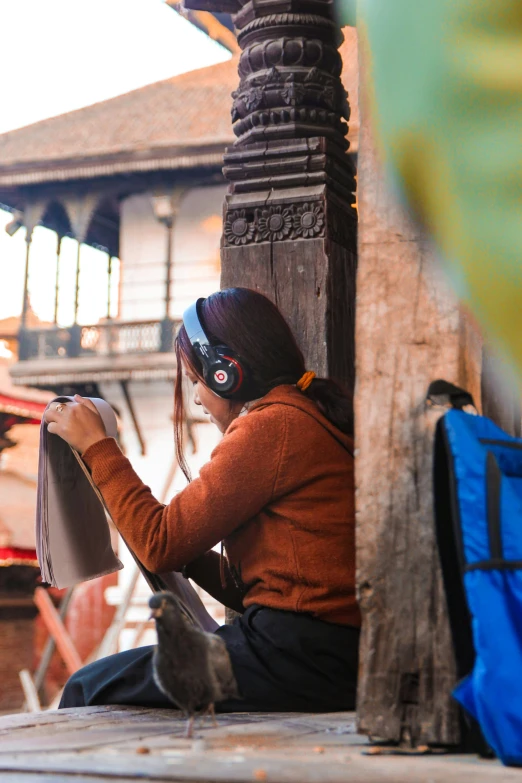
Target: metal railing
x=110, y=338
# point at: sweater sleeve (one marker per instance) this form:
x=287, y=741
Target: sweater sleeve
x=233, y=487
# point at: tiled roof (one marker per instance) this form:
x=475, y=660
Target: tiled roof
x=186, y=112
x=183, y=119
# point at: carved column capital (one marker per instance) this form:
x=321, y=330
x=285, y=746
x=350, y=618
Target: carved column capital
x=290, y=110
x=289, y=73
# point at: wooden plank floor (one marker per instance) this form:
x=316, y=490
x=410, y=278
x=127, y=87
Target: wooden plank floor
x=103, y=744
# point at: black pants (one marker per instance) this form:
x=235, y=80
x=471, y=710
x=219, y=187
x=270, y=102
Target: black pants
x=283, y=661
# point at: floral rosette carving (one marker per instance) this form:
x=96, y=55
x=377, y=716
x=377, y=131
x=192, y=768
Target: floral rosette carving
x=308, y=220
x=238, y=230
x=274, y=223
x=304, y=221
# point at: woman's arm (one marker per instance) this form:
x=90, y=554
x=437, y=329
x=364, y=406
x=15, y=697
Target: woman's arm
x=205, y=571
x=232, y=488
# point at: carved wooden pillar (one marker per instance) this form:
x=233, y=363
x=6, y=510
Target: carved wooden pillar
x=25, y=300
x=59, y=238
x=109, y=285
x=289, y=223
x=30, y=218
x=77, y=282
x=80, y=209
x=166, y=207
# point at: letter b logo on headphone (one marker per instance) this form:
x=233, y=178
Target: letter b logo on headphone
x=224, y=371
x=220, y=377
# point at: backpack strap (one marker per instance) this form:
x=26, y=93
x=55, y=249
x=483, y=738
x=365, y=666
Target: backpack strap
x=451, y=550
x=496, y=558
x=442, y=392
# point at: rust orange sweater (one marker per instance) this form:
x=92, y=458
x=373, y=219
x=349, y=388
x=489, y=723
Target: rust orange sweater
x=279, y=490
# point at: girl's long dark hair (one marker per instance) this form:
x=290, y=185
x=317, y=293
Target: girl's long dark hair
x=253, y=327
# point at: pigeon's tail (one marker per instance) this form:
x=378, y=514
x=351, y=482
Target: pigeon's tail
x=221, y=666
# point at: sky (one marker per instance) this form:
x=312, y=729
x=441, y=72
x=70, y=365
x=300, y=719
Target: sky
x=60, y=55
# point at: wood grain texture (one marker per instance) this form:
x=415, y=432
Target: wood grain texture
x=294, y=276
x=409, y=332
x=125, y=743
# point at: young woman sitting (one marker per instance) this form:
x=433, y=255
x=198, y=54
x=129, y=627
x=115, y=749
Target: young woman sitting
x=278, y=492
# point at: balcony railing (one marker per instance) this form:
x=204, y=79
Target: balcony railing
x=110, y=338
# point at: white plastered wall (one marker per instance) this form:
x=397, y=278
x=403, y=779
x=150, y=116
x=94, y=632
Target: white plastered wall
x=194, y=259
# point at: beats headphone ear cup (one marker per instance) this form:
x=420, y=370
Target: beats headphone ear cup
x=223, y=371
x=224, y=375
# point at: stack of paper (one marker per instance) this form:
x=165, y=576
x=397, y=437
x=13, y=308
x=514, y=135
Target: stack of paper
x=73, y=540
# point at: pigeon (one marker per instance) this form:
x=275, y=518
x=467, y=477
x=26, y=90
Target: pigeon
x=191, y=667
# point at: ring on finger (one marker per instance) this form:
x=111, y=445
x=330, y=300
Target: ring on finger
x=59, y=408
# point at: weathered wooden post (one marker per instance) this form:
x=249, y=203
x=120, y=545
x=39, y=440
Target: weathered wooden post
x=409, y=332
x=289, y=224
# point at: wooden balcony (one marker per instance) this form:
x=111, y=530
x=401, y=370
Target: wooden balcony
x=109, y=350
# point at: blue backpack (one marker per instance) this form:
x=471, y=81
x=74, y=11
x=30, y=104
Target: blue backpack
x=478, y=515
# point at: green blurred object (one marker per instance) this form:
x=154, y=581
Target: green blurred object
x=447, y=95
x=346, y=12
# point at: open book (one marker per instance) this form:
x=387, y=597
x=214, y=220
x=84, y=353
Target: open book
x=73, y=541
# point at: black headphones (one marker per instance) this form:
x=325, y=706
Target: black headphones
x=223, y=371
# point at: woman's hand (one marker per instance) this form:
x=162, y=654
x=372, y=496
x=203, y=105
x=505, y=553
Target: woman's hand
x=78, y=423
